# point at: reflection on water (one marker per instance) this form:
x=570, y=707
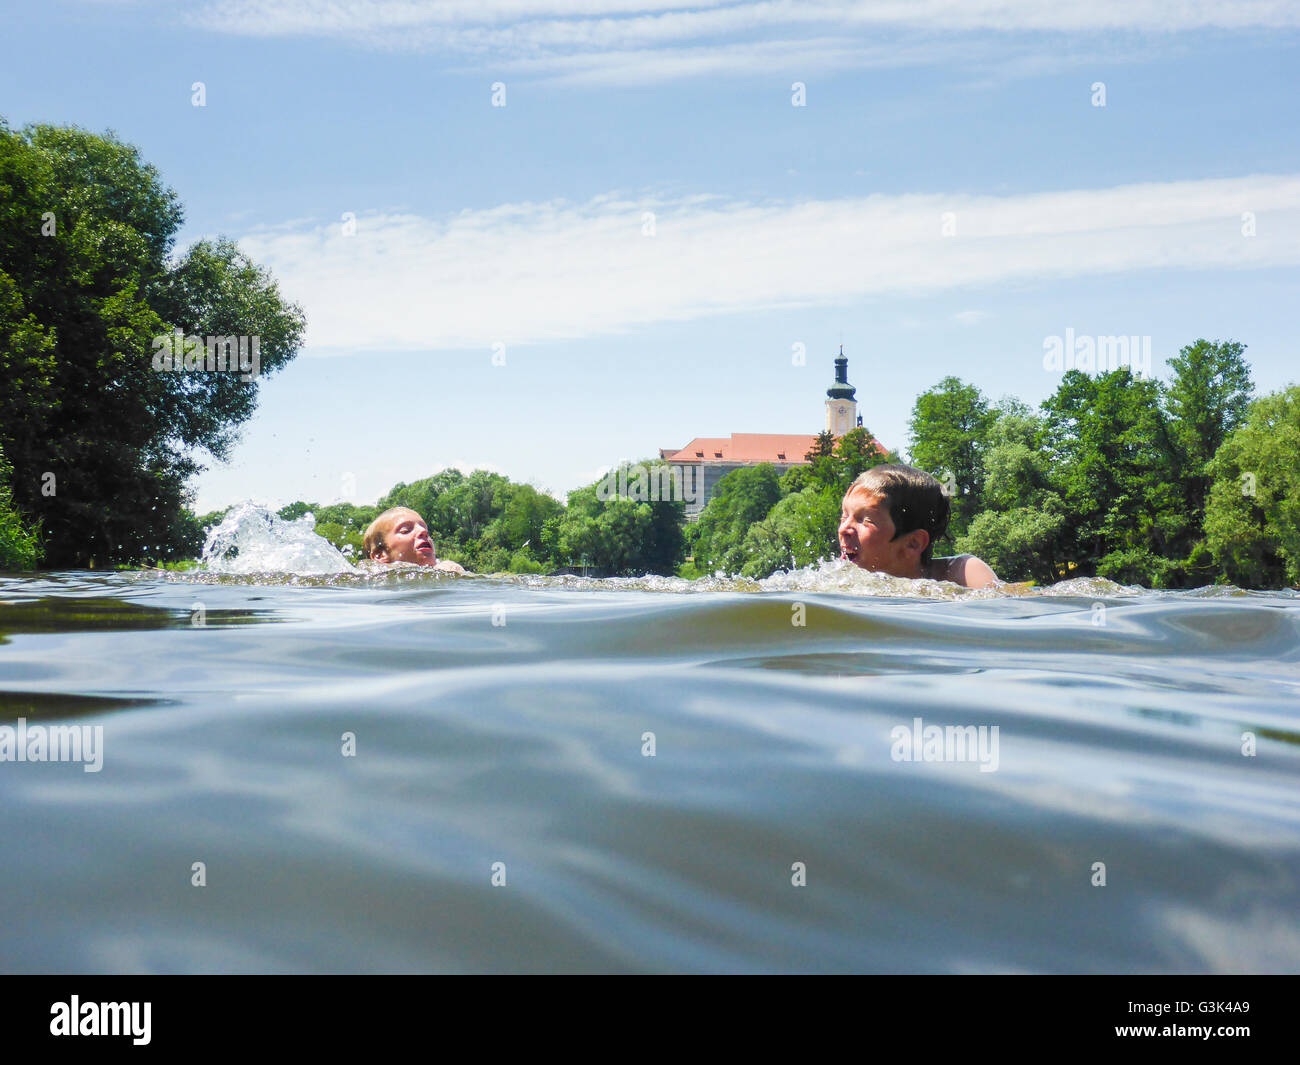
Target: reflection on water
x=660, y=775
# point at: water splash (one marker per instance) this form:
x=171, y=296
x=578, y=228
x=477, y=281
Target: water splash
x=254, y=542
x=254, y=539
x=831, y=575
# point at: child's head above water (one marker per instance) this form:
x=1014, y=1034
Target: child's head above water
x=890, y=520
x=399, y=535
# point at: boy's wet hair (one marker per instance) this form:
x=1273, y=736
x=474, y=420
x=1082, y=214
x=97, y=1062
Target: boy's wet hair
x=914, y=499
x=373, y=538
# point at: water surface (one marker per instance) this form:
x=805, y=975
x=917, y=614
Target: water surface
x=508, y=720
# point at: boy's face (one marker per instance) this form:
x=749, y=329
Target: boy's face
x=867, y=537
x=406, y=539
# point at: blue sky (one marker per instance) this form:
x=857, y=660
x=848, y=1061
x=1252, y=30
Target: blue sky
x=773, y=225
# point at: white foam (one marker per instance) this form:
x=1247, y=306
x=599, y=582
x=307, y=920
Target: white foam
x=254, y=539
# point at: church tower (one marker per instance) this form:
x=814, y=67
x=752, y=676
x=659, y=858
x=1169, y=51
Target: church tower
x=841, y=400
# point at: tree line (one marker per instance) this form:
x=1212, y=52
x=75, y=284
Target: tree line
x=1164, y=484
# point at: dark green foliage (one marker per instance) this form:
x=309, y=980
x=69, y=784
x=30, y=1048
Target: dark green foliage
x=1206, y=401
x=100, y=442
x=1022, y=532
x=822, y=458
x=20, y=543
x=949, y=433
x=1143, y=484
x=799, y=530
x=1113, y=460
x=622, y=535
x=742, y=498
x=1252, y=523
x=856, y=452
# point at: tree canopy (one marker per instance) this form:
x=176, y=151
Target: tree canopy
x=1252, y=523
x=100, y=441
x=949, y=433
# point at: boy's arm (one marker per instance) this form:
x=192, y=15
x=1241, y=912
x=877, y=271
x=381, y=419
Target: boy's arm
x=448, y=566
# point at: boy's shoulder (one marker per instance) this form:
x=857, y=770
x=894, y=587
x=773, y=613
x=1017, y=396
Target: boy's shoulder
x=966, y=570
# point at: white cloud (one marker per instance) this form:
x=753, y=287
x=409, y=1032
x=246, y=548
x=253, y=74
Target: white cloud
x=530, y=272
x=517, y=22
x=794, y=57
x=643, y=40
x=970, y=317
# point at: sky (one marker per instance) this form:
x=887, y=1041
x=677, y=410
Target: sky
x=544, y=236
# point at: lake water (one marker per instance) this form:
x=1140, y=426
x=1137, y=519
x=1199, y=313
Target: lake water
x=559, y=774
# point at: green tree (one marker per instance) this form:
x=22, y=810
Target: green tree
x=855, y=452
x=742, y=498
x=1109, y=441
x=1022, y=533
x=20, y=543
x=800, y=530
x=523, y=514
x=821, y=457
x=621, y=534
x=796, y=479
x=1208, y=397
x=949, y=434
x=1206, y=400
x=101, y=443
x=1252, y=522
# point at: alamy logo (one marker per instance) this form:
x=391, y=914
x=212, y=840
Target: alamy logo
x=1093, y=354
x=55, y=743
x=953, y=743
x=176, y=352
x=102, y=1018
x=652, y=484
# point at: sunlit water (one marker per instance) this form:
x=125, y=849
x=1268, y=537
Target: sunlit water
x=510, y=720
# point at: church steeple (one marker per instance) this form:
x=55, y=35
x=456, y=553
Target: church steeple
x=841, y=389
x=841, y=399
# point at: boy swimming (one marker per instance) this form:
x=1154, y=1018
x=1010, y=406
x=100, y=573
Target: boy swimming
x=400, y=535
x=889, y=521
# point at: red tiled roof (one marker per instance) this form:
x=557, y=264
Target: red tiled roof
x=748, y=448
